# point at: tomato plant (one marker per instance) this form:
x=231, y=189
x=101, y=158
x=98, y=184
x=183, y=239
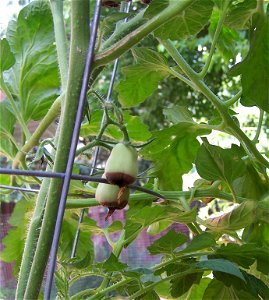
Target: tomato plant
x=165, y=48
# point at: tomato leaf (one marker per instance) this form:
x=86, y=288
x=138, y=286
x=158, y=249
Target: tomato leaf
x=33, y=80
x=7, y=124
x=187, y=23
x=142, y=79
x=167, y=243
x=183, y=284
x=240, y=14
x=173, y=152
x=214, y=162
x=113, y=264
x=221, y=265
x=201, y=241
x=254, y=69
x=228, y=37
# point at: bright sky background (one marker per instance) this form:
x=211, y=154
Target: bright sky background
x=7, y=9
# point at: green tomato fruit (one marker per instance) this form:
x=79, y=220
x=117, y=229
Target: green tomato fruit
x=112, y=196
x=121, y=167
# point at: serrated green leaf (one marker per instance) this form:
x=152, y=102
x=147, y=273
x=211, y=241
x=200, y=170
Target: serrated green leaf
x=113, y=264
x=7, y=124
x=138, y=131
x=201, y=241
x=132, y=229
x=228, y=37
x=188, y=23
x=177, y=114
x=173, y=152
x=245, y=255
x=158, y=227
x=13, y=242
x=155, y=7
x=78, y=263
x=33, y=80
x=7, y=57
x=254, y=69
x=167, y=243
x=85, y=250
x=217, y=290
x=196, y=291
x=255, y=286
x=141, y=79
x=213, y=162
x=183, y=284
x=244, y=187
x=251, y=288
x=148, y=215
x=221, y=265
x=240, y=14
x=114, y=227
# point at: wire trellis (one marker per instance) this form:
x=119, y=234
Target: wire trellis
x=73, y=148
x=67, y=175
x=124, y=7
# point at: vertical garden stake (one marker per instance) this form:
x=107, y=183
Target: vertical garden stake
x=72, y=152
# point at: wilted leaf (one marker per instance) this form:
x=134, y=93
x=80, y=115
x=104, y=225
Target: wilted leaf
x=240, y=217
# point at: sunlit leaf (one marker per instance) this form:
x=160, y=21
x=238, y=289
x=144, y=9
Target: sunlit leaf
x=254, y=69
x=173, y=152
x=142, y=78
x=187, y=23
x=33, y=80
x=240, y=14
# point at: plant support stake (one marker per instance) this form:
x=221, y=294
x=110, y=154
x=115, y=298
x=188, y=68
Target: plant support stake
x=124, y=7
x=72, y=152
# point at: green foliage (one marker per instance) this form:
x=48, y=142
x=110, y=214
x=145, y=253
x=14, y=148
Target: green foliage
x=7, y=145
x=14, y=241
x=167, y=243
x=195, y=17
x=32, y=81
x=169, y=95
x=254, y=69
x=143, y=78
x=178, y=147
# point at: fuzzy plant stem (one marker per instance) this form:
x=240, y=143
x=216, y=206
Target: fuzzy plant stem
x=36, y=220
x=73, y=203
x=79, y=44
x=61, y=40
x=130, y=39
